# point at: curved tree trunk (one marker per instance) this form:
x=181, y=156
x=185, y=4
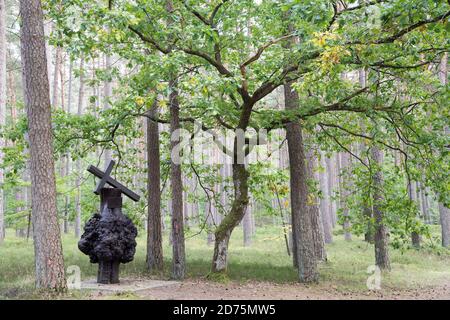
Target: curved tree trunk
x=46, y=233
x=232, y=219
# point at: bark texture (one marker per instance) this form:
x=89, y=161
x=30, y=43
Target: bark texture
x=344, y=166
x=232, y=219
x=412, y=192
x=302, y=234
x=444, y=210
x=315, y=213
x=176, y=182
x=247, y=227
x=325, y=203
x=381, y=234
x=47, y=242
x=78, y=162
x=154, y=232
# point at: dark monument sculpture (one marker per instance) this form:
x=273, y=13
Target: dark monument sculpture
x=109, y=237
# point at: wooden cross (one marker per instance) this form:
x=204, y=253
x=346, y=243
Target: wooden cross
x=105, y=178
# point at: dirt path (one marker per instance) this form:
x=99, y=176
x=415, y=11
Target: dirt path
x=199, y=289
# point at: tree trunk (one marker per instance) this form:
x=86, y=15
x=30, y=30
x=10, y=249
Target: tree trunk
x=444, y=210
x=47, y=242
x=2, y=110
x=154, y=232
x=232, y=219
x=344, y=166
x=331, y=185
x=107, y=93
x=209, y=222
x=415, y=237
x=424, y=205
x=325, y=203
x=78, y=162
x=176, y=183
x=56, y=73
x=313, y=206
x=381, y=233
x=303, y=247
x=444, y=215
x=247, y=227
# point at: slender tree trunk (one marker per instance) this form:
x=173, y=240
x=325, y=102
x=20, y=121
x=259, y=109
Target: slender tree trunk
x=344, y=186
x=154, y=232
x=313, y=206
x=209, y=222
x=2, y=110
x=415, y=237
x=367, y=211
x=381, y=234
x=78, y=162
x=247, y=227
x=56, y=73
x=325, y=203
x=47, y=242
x=107, y=93
x=176, y=182
x=331, y=184
x=444, y=210
x=303, y=245
x=424, y=205
x=69, y=111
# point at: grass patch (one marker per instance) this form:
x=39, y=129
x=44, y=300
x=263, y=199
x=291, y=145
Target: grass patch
x=265, y=260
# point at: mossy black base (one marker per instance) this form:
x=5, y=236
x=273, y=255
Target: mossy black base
x=109, y=238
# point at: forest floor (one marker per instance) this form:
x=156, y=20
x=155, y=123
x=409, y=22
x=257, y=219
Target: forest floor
x=260, y=271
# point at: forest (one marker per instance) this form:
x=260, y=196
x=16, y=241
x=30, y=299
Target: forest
x=295, y=149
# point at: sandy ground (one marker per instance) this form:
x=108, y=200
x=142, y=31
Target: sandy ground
x=200, y=289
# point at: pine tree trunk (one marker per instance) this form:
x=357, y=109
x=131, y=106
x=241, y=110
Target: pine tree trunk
x=56, y=73
x=381, y=233
x=415, y=237
x=303, y=247
x=47, y=242
x=444, y=210
x=154, y=232
x=78, y=162
x=313, y=206
x=325, y=205
x=247, y=227
x=331, y=185
x=107, y=93
x=344, y=166
x=2, y=110
x=176, y=183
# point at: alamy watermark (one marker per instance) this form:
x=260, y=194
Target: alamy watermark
x=374, y=280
